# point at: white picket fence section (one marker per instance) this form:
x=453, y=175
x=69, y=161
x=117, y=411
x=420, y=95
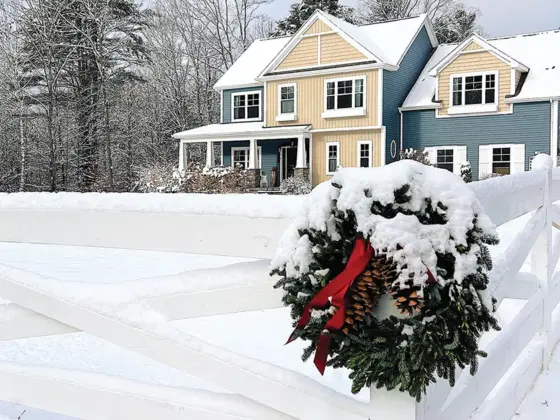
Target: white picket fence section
x=517, y=354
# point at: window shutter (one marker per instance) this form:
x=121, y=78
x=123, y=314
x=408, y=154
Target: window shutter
x=518, y=158
x=459, y=157
x=432, y=154
x=484, y=161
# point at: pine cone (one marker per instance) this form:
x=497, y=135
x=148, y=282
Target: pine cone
x=408, y=299
x=365, y=292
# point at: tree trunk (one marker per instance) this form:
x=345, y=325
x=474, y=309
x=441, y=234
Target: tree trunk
x=108, y=150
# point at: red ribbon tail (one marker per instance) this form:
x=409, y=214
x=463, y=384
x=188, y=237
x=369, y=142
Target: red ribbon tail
x=293, y=337
x=322, y=352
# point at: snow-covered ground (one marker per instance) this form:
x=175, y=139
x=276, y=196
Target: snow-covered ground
x=258, y=334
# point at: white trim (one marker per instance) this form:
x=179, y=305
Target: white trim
x=319, y=49
x=513, y=148
x=221, y=106
x=345, y=112
x=312, y=67
x=248, y=150
x=421, y=107
x=310, y=137
x=318, y=34
x=474, y=114
x=327, y=145
x=446, y=61
x=554, y=132
x=262, y=134
x=370, y=156
x=536, y=99
x=292, y=116
x=264, y=108
x=282, y=148
x=513, y=75
x=255, y=84
x=380, y=81
x=181, y=155
x=473, y=109
x=246, y=94
x=383, y=146
x=402, y=131
x=457, y=150
x=325, y=71
x=342, y=129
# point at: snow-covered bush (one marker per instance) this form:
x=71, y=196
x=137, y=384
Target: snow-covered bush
x=295, y=186
x=160, y=179
x=488, y=176
x=419, y=155
x=466, y=172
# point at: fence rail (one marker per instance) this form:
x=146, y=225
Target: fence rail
x=517, y=354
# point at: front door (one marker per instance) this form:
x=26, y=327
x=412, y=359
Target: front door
x=288, y=159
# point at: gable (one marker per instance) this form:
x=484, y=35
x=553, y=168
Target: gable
x=320, y=49
x=473, y=46
x=318, y=27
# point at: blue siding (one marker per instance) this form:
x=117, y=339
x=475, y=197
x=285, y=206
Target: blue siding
x=397, y=85
x=270, y=156
x=227, y=101
x=529, y=124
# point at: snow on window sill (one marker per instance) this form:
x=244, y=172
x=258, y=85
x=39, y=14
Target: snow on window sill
x=472, y=109
x=286, y=117
x=341, y=113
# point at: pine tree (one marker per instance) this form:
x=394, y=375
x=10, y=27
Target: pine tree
x=300, y=12
x=466, y=172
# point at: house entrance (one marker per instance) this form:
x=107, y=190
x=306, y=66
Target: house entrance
x=288, y=159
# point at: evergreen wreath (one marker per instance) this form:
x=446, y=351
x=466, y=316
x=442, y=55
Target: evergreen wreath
x=429, y=264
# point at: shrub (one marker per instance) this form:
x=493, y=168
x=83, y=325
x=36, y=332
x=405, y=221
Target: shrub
x=466, y=172
x=295, y=186
x=419, y=155
x=488, y=176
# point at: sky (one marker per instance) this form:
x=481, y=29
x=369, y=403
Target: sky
x=499, y=17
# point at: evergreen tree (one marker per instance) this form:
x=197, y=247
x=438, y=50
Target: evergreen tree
x=466, y=172
x=300, y=12
x=457, y=26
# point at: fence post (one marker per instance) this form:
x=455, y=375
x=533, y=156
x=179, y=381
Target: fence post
x=394, y=405
x=541, y=258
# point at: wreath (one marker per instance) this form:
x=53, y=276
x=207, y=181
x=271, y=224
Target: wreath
x=386, y=272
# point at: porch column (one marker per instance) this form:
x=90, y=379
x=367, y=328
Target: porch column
x=300, y=160
x=182, y=147
x=253, y=158
x=209, y=154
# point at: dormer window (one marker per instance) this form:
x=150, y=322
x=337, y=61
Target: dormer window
x=474, y=93
x=246, y=106
x=345, y=97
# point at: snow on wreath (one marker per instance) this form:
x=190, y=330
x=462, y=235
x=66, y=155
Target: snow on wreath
x=385, y=271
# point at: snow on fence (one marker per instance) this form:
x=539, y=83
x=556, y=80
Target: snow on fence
x=516, y=355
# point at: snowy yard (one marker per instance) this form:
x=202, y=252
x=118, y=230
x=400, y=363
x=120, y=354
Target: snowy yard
x=99, y=267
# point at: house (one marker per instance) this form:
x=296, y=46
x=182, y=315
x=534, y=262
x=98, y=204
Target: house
x=336, y=94
x=326, y=97
x=493, y=102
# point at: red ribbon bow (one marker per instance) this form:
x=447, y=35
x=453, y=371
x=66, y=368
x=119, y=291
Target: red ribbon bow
x=335, y=294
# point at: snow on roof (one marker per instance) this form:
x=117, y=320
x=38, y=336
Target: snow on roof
x=215, y=131
x=248, y=67
x=423, y=91
x=387, y=41
x=539, y=51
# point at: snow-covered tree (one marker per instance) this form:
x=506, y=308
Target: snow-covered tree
x=456, y=26
x=466, y=172
x=419, y=155
x=301, y=11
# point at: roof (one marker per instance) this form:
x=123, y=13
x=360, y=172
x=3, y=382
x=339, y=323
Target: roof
x=539, y=52
x=239, y=130
x=247, y=68
x=386, y=42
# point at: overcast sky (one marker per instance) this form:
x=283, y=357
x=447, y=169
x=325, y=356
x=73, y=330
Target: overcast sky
x=499, y=17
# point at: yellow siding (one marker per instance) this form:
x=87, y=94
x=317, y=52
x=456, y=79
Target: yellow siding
x=311, y=102
x=318, y=27
x=348, y=150
x=471, y=63
x=334, y=49
x=473, y=46
x=304, y=54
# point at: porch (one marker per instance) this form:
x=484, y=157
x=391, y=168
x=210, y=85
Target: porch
x=271, y=154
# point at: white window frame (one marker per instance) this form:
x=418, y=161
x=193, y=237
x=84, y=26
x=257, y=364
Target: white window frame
x=248, y=150
x=515, y=165
x=370, y=157
x=327, y=145
x=457, y=150
x=345, y=112
x=288, y=116
x=246, y=94
x=474, y=108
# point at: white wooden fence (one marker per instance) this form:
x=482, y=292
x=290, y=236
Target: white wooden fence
x=516, y=357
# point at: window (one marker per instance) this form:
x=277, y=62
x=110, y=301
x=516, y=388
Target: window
x=478, y=89
x=246, y=106
x=345, y=94
x=444, y=159
x=240, y=157
x=364, y=154
x=333, y=157
x=501, y=160
x=287, y=99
